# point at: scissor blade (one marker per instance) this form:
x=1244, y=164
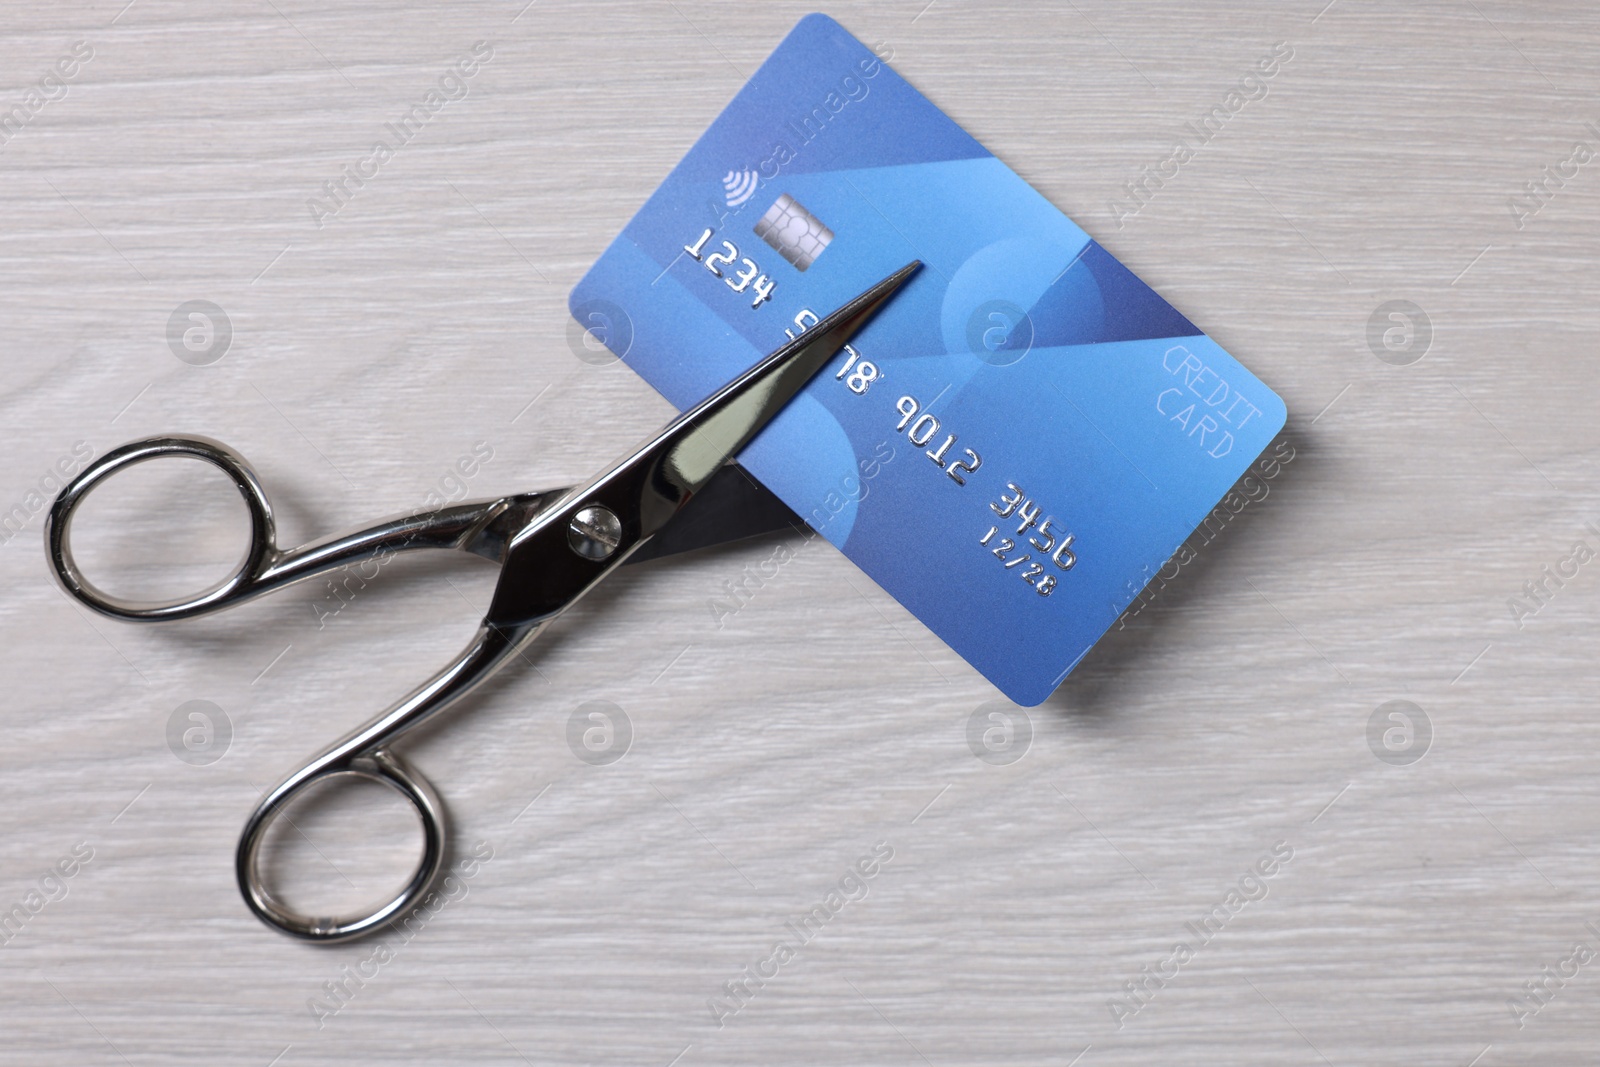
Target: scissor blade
x=710, y=434
x=731, y=507
x=576, y=542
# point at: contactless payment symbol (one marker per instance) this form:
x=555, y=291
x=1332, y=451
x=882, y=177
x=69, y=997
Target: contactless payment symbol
x=797, y=234
x=739, y=186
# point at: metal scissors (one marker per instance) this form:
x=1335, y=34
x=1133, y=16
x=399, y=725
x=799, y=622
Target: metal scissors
x=552, y=547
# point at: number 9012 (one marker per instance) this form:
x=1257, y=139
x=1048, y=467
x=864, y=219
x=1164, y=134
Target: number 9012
x=923, y=428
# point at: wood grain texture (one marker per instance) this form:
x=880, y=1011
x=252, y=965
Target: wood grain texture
x=772, y=751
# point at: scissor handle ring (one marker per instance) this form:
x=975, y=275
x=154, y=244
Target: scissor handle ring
x=381, y=766
x=258, y=556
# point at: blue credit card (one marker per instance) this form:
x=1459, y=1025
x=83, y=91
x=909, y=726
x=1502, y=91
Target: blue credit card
x=1024, y=434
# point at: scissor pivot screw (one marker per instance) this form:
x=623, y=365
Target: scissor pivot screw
x=595, y=532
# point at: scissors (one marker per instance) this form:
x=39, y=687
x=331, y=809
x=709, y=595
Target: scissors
x=552, y=547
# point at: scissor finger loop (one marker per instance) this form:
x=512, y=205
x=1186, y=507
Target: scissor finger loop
x=261, y=553
x=479, y=527
x=367, y=753
x=382, y=766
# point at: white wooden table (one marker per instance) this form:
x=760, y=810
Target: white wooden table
x=370, y=352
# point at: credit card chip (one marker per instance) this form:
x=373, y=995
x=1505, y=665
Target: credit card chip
x=796, y=234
